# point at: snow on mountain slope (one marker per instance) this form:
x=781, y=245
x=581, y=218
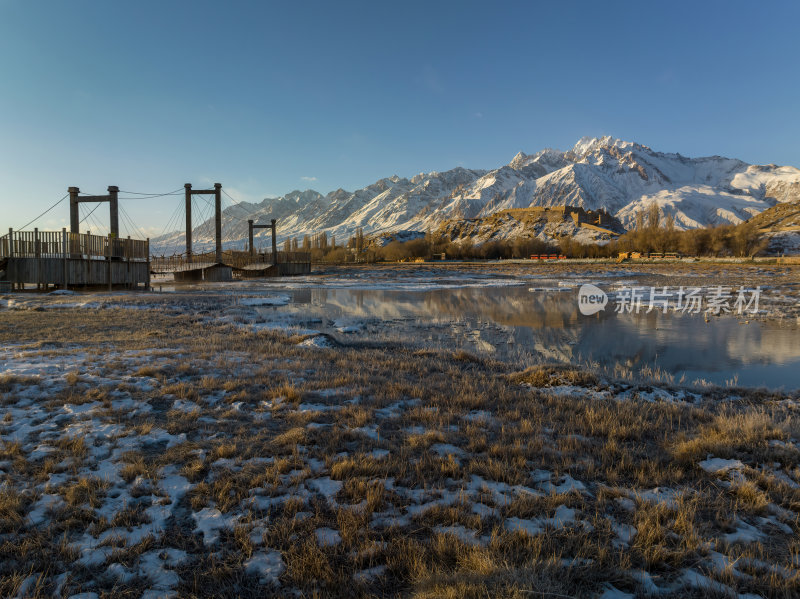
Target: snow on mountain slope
x=619, y=176
x=548, y=160
x=695, y=206
x=781, y=183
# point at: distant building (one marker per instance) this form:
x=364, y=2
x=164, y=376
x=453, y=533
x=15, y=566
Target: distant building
x=595, y=219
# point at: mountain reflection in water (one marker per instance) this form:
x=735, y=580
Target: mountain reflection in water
x=513, y=323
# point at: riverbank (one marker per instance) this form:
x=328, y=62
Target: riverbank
x=174, y=449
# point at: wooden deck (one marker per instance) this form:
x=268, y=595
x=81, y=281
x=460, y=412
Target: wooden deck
x=242, y=265
x=282, y=269
x=215, y=272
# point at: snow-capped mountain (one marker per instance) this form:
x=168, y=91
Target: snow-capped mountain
x=618, y=176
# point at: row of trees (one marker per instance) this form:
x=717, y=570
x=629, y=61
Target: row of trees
x=310, y=242
x=727, y=240
x=433, y=247
x=652, y=233
x=427, y=248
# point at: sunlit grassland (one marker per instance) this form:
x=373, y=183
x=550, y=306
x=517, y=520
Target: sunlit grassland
x=390, y=425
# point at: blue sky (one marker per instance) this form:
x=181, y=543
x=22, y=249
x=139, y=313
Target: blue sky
x=267, y=97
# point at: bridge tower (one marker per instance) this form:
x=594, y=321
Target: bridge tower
x=111, y=198
x=251, y=226
x=217, y=192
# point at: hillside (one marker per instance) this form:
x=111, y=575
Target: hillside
x=781, y=226
x=545, y=224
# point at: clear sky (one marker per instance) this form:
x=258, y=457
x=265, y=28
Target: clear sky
x=267, y=97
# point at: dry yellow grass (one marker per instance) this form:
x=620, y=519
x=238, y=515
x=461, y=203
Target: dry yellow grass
x=618, y=450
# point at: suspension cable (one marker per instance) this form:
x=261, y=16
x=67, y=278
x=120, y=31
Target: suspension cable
x=43, y=213
x=230, y=198
x=233, y=216
x=235, y=203
x=175, y=214
x=96, y=223
x=131, y=223
x=126, y=222
x=90, y=213
x=147, y=196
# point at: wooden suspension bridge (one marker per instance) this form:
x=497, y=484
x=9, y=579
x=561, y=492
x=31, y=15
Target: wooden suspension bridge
x=69, y=259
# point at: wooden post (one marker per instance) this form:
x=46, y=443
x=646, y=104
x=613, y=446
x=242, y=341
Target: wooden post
x=37, y=253
x=108, y=259
x=274, y=243
x=11, y=249
x=126, y=251
x=218, y=219
x=188, y=188
x=65, y=252
x=113, y=190
x=73, y=209
x=250, y=236
x=147, y=284
x=88, y=265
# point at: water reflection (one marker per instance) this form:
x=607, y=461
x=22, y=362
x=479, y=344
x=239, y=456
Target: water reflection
x=513, y=323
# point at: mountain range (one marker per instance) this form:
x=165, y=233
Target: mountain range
x=618, y=176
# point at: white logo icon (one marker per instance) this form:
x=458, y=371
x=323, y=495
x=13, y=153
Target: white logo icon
x=591, y=299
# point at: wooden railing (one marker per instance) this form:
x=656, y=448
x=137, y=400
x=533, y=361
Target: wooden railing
x=233, y=258
x=163, y=264
x=57, y=244
x=292, y=256
x=239, y=259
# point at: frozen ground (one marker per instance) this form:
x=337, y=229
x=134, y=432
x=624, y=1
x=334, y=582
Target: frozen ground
x=191, y=444
x=523, y=314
